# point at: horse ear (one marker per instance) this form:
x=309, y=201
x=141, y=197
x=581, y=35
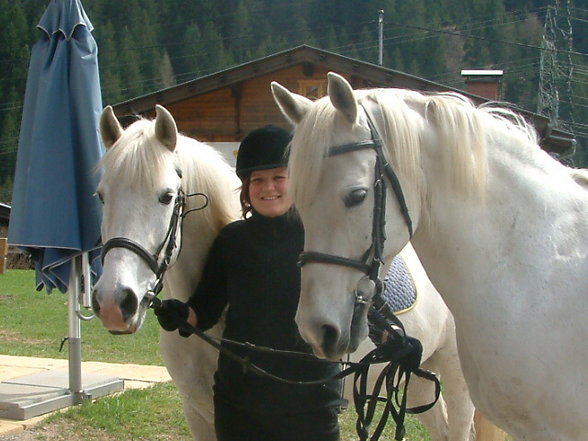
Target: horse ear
x=166, y=130
x=110, y=128
x=293, y=106
x=341, y=95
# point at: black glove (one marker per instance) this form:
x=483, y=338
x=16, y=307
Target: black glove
x=172, y=314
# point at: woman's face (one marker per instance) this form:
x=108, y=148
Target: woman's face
x=268, y=191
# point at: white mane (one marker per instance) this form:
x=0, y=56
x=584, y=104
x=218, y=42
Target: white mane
x=406, y=120
x=139, y=160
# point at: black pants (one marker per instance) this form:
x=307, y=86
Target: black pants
x=236, y=424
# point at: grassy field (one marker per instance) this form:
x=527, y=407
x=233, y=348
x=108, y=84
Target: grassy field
x=33, y=324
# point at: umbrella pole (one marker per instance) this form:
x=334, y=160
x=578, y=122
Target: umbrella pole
x=74, y=334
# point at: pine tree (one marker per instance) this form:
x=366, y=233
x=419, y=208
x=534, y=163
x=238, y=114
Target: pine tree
x=108, y=62
x=187, y=64
x=9, y=130
x=166, y=71
x=129, y=66
x=216, y=57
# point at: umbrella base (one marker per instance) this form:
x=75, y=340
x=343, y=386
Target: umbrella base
x=37, y=394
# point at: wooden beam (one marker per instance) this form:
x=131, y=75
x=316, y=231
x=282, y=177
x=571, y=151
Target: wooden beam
x=3, y=254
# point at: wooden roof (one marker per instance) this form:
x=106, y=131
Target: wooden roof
x=305, y=62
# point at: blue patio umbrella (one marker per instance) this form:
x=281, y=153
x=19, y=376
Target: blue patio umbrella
x=55, y=216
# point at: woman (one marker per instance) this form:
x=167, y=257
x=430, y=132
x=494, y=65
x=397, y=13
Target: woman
x=252, y=269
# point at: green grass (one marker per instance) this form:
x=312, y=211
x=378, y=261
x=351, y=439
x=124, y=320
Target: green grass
x=153, y=414
x=33, y=324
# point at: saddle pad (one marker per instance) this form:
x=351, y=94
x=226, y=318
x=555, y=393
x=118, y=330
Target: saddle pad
x=399, y=289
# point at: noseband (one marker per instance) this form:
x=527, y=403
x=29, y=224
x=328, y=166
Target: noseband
x=155, y=261
x=372, y=259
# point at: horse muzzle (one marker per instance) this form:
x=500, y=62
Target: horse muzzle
x=120, y=312
x=331, y=339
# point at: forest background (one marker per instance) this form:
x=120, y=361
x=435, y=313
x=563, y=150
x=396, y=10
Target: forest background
x=148, y=45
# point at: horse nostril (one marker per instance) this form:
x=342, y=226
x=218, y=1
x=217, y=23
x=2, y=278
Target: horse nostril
x=330, y=338
x=128, y=304
x=95, y=304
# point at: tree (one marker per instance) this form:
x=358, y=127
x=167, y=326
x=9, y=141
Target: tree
x=9, y=131
x=129, y=66
x=166, y=71
x=216, y=56
x=108, y=62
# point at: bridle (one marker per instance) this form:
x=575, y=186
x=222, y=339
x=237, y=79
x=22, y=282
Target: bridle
x=372, y=259
x=160, y=259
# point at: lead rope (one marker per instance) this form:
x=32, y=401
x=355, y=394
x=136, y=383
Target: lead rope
x=403, y=355
x=403, y=358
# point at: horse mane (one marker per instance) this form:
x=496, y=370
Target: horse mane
x=206, y=171
x=461, y=129
x=139, y=160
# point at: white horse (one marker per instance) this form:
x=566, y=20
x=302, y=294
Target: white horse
x=500, y=227
x=139, y=188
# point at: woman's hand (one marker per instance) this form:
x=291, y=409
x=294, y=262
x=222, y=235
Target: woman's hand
x=173, y=314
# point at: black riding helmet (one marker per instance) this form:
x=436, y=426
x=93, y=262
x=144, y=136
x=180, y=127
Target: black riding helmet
x=262, y=149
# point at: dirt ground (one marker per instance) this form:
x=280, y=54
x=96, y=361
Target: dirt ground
x=62, y=431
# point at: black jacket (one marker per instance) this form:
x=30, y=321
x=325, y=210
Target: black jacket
x=252, y=269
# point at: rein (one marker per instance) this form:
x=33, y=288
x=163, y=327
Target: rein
x=401, y=362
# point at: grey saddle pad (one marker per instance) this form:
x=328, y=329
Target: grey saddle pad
x=399, y=289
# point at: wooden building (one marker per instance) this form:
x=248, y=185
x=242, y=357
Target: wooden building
x=223, y=107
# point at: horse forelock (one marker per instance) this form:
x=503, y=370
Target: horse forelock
x=136, y=158
x=312, y=137
x=318, y=131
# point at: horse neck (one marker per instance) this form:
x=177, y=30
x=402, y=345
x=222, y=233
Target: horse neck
x=467, y=244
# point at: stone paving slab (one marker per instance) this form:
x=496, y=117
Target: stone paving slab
x=12, y=368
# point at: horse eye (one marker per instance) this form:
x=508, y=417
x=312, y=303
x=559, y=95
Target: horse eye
x=166, y=198
x=100, y=197
x=355, y=197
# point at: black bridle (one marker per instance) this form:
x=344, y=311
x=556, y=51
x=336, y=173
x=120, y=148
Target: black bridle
x=372, y=259
x=160, y=259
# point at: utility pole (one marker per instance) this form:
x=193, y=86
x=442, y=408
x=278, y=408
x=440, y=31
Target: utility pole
x=380, y=36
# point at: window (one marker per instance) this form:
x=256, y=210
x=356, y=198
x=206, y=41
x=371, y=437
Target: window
x=311, y=89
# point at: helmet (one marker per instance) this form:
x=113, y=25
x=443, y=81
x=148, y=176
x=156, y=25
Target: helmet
x=262, y=149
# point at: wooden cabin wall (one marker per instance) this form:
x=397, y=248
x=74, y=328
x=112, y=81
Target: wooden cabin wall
x=229, y=113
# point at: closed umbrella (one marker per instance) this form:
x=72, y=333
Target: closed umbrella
x=55, y=216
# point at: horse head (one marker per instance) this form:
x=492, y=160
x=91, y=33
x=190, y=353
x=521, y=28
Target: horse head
x=141, y=192
x=334, y=174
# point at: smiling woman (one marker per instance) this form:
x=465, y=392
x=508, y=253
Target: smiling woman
x=268, y=191
x=251, y=272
